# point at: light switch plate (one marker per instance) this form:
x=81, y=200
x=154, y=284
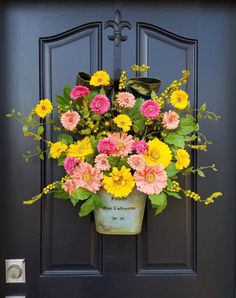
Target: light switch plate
x=13, y=267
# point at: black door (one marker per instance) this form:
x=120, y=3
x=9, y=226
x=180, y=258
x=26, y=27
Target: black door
x=186, y=252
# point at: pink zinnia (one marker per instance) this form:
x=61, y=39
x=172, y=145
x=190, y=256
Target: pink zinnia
x=150, y=109
x=106, y=146
x=100, y=104
x=70, y=163
x=123, y=143
x=151, y=180
x=69, y=186
x=140, y=147
x=126, y=99
x=170, y=120
x=79, y=91
x=69, y=120
x=101, y=162
x=137, y=162
x=85, y=176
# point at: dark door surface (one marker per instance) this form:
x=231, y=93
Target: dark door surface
x=186, y=252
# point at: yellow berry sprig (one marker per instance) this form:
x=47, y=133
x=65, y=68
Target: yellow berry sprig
x=140, y=68
x=174, y=86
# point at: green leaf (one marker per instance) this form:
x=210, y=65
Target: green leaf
x=97, y=200
x=171, y=169
x=173, y=138
x=203, y=107
x=158, y=200
x=200, y=173
x=40, y=130
x=139, y=125
x=122, y=162
x=50, y=121
x=41, y=156
x=86, y=131
x=136, y=109
x=25, y=128
x=87, y=207
x=186, y=126
x=113, y=161
x=153, y=94
x=67, y=91
x=102, y=91
x=96, y=117
x=80, y=194
x=61, y=194
x=61, y=160
x=63, y=102
x=65, y=139
x=173, y=194
x=8, y=115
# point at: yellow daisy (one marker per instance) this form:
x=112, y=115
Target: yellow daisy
x=100, y=78
x=123, y=121
x=43, y=108
x=80, y=149
x=56, y=149
x=179, y=99
x=183, y=159
x=119, y=183
x=158, y=153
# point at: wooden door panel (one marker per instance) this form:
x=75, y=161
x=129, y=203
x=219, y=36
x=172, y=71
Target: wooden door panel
x=69, y=244
x=168, y=54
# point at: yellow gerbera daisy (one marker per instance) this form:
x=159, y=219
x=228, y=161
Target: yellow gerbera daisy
x=57, y=148
x=158, y=153
x=43, y=108
x=80, y=149
x=183, y=159
x=100, y=78
x=119, y=183
x=123, y=121
x=179, y=99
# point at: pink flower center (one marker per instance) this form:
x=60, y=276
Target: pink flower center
x=70, y=119
x=120, y=144
x=150, y=178
x=99, y=104
x=150, y=109
x=87, y=178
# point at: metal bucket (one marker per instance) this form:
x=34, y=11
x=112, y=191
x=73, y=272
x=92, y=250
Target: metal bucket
x=120, y=216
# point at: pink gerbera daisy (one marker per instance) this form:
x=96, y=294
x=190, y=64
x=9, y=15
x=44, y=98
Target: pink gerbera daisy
x=101, y=162
x=79, y=91
x=123, y=143
x=137, y=162
x=85, y=176
x=69, y=186
x=100, y=104
x=170, y=120
x=140, y=147
x=106, y=146
x=150, y=109
x=151, y=180
x=70, y=119
x=70, y=163
x=126, y=99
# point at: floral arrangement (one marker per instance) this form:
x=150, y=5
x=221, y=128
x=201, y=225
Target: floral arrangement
x=119, y=140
